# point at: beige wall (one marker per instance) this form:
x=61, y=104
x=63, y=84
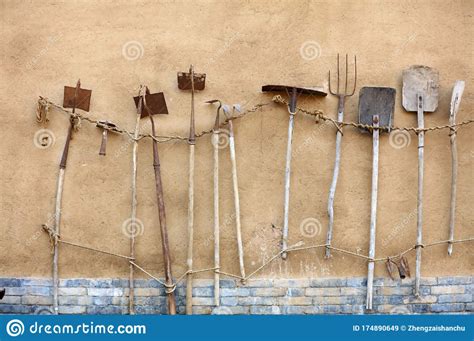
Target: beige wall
x=241, y=45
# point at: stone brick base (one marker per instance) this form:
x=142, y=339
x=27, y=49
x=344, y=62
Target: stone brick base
x=259, y=296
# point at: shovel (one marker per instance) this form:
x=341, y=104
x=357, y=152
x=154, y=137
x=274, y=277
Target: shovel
x=376, y=105
x=149, y=105
x=420, y=94
x=191, y=81
x=292, y=91
x=455, y=101
x=75, y=98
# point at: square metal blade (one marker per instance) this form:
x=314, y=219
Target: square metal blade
x=419, y=79
x=184, y=81
x=377, y=101
x=83, y=99
x=155, y=102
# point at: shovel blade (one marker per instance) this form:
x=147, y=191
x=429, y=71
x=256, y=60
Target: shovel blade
x=155, y=104
x=424, y=80
x=376, y=101
x=82, y=101
x=184, y=81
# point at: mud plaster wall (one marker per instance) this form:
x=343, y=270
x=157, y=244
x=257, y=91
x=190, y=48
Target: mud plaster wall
x=240, y=45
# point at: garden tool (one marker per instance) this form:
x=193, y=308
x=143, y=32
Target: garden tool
x=106, y=126
x=292, y=92
x=341, y=96
x=420, y=94
x=148, y=105
x=191, y=81
x=215, y=144
x=376, y=105
x=75, y=98
x=235, y=184
x=455, y=102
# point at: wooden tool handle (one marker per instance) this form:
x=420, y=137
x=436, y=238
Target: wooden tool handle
x=419, y=221
x=103, y=144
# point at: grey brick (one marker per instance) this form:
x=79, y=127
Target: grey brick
x=421, y=299
x=332, y=300
x=105, y=291
x=45, y=282
x=203, y=301
x=150, y=300
x=447, y=289
x=328, y=282
x=146, y=283
x=11, y=300
x=470, y=307
x=323, y=291
x=227, y=283
x=386, y=282
x=10, y=282
x=75, y=300
x=295, y=292
x=259, y=283
x=388, y=291
x=236, y=292
x=331, y=309
x=257, y=301
x=356, y=282
x=428, y=281
x=454, y=280
x=32, y=300
x=42, y=310
x=353, y=291
x=15, y=309
x=291, y=283
x=295, y=300
x=73, y=291
x=294, y=310
x=466, y=298
x=120, y=300
x=203, y=292
x=447, y=307
x=39, y=291
x=72, y=309
x=149, y=291
x=202, y=310
x=469, y=289
x=239, y=310
x=313, y=310
x=104, y=300
x=232, y=301
x=15, y=291
x=420, y=308
x=269, y=291
x=106, y=310
x=160, y=310
x=265, y=310
x=74, y=282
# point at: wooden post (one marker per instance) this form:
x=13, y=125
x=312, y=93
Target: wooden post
x=373, y=211
x=215, y=143
x=419, y=222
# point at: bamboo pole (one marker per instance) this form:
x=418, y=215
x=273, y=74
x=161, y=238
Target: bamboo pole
x=455, y=101
x=235, y=185
x=373, y=211
x=133, y=214
x=419, y=222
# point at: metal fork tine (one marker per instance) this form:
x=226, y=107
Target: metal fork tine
x=347, y=68
x=355, y=76
x=338, y=72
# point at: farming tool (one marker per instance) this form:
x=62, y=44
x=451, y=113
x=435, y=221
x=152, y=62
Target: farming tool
x=215, y=144
x=292, y=92
x=376, y=105
x=401, y=267
x=341, y=96
x=455, y=102
x=148, y=105
x=191, y=81
x=105, y=126
x=235, y=185
x=2, y=293
x=420, y=94
x=75, y=98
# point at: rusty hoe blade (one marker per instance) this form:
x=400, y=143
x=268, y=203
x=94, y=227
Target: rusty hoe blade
x=341, y=96
x=376, y=106
x=292, y=92
x=420, y=94
x=391, y=268
x=105, y=126
x=152, y=104
x=405, y=266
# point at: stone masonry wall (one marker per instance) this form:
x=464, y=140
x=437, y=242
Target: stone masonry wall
x=258, y=296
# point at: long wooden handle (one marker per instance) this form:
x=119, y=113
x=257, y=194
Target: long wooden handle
x=419, y=221
x=286, y=208
x=332, y=189
x=455, y=101
x=235, y=184
x=373, y=211
x=57, y=224
x=215, y=143
x=189, y=284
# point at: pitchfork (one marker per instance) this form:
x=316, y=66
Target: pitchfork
x=340, y=116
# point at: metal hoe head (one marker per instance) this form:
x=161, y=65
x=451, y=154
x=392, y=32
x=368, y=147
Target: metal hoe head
x=77, y=98
x=346, y=77
x=154, y=104
x=376, y=101
x=188, y=80
x=419, y=80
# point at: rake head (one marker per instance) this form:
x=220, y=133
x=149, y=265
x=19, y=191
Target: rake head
x=77, y=98
x=346, y=77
